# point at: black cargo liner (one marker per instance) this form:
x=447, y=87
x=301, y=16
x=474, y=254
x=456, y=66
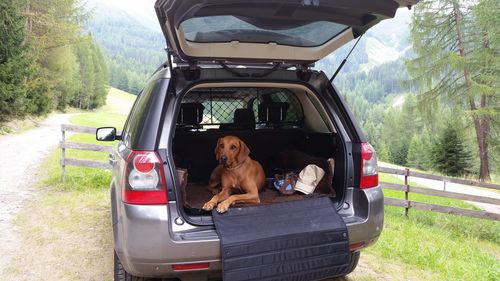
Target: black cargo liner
x=196, y=195
x=299, y=240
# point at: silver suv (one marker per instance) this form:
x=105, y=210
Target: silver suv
x=239, y=68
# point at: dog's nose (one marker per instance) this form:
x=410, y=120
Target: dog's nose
x=223, y=158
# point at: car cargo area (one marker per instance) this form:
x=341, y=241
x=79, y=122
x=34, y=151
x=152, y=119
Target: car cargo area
x=285, y=130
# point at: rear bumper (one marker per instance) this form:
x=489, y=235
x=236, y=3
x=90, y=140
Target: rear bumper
x=363, y=213
x=150, y=239
x=147, y=246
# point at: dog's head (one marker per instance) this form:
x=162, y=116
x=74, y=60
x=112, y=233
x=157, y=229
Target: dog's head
x=230, y=151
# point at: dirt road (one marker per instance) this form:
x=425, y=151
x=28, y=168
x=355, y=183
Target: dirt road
x=21, y=155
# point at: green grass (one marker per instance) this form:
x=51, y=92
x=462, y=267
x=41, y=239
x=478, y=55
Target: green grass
x=453, y=247
x=89, y=138
x=114, y=113
x=118, y=102
x=99, y=119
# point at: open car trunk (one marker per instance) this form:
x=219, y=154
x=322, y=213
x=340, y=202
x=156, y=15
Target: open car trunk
x=272, y=123
x=267, y=30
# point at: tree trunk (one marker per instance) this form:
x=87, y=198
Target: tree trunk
x=481, y=123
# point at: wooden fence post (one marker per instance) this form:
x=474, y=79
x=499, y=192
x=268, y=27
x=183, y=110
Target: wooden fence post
x=436, y=191
x=407, y=190
x=63, y=152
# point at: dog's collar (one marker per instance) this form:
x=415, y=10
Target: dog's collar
x=236, y=167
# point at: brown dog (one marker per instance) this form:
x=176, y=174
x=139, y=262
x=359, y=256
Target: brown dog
x=235, y=171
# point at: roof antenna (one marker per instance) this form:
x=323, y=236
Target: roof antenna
x=345, y=60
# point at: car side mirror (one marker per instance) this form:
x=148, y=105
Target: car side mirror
x=106, y=134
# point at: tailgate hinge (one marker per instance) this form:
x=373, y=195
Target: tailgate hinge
x=304, y=71
x=191, y=72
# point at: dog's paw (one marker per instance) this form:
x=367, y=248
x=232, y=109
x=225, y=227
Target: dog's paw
x=209, y=206
x=222, y=207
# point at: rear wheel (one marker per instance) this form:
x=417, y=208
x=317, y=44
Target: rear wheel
x=354, y=262
x=121, y=274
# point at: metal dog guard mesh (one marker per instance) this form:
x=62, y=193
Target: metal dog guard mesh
x=220, y=104
x=293, y=241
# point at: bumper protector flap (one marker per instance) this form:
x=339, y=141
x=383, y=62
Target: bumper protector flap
x=299, y=240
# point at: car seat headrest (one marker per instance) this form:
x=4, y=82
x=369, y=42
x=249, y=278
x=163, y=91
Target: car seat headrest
x=244, y=117
x=273, y=112
x=191, y=113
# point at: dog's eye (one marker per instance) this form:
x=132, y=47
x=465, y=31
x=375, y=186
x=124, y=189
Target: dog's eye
x=221, y=145
x=233, y=147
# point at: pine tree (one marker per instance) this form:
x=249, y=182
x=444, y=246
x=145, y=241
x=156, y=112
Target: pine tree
x=447, y=41
x=485, y=60
x=449, y=153
x=416, y=153
x=100, y=77
x=14, y=65
x=64, y=70
x=383, y=152
x=83, y=98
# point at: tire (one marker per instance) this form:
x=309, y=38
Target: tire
x=353, y=263
x=120, y=274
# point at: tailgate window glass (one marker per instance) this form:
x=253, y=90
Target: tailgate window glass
x=218, y=29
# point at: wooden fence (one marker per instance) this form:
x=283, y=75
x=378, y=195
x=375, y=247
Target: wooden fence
x=81, y=146
x=407, y=204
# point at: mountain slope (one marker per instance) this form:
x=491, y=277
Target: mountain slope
x=133, y=46
x=385, y=42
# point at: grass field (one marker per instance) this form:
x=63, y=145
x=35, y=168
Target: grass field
x=71, y=229
x=453, y=247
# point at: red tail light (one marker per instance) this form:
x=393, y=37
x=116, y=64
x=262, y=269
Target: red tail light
x=356, y=246
x=369, y=169
x=144, y=179
x=190, y=266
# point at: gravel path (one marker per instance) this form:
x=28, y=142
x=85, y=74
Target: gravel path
x=21, y=155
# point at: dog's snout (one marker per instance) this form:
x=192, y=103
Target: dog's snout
x=223, y=158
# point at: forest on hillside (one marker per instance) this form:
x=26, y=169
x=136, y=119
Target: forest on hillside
x=438, y=107
x=47, y=60
x=133, y=52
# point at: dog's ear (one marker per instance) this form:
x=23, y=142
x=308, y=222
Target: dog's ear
x=217, y=155
x=244, y=152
